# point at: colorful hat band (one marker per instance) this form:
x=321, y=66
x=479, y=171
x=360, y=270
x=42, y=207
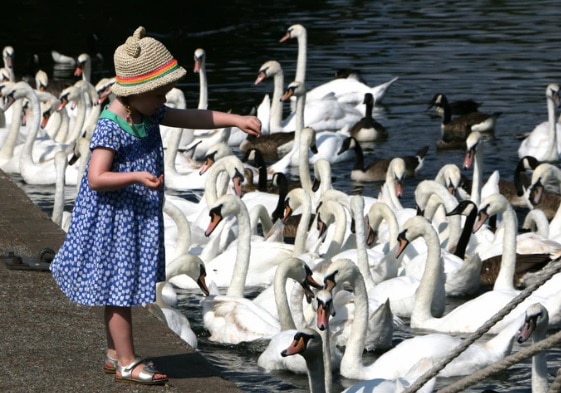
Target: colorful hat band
x=165, y=69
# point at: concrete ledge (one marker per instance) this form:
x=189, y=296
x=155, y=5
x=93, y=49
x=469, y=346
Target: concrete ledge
x=52, y=345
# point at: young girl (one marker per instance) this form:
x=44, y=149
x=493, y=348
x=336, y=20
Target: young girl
x=113, y=253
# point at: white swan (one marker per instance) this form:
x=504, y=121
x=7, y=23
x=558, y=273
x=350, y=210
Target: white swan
x=536, y=324
x=42, y=173
x=347, y=90
x=175, y=98
x=232, y=318
x=60, y=216
x=261, y=257
x=273, y=123
x=309, y=344
x=470, y=315
x=339, y=272
x=193, y=268
x=544, y=142
x=436, y=346
x=404, y=290
x=297, y=270
x=392, y=189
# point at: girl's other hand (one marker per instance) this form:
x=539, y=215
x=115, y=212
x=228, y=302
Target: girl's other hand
x=151, y=181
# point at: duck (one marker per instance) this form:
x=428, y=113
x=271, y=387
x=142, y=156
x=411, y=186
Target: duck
x=457, y=107
x=544, y=142
x=368, y=129
x=349, y=91
x=376, y=171
x=458, y=129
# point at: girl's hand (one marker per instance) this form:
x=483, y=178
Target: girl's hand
x=151, y=181
x=250, y=125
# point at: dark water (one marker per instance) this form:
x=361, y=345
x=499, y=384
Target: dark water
x=501, y=53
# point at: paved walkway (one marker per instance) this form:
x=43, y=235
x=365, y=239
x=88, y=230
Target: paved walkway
x=49, y=344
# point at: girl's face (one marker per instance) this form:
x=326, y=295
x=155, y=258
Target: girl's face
x=148, y=103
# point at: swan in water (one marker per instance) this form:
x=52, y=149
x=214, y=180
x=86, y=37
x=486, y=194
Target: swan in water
x=536, y=324
x=407, y=353
x=470, y=315
x=403, y=291
x=60, y=216
x=349, y=91
x=41, y=173
x=308, y=343
x=183, y=264
x=232, y=318
x=339, y=272
x=544, y=141
x=297, y=270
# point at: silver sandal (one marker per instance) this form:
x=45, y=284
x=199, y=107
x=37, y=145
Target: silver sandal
x=145, y=377
x=110, y=365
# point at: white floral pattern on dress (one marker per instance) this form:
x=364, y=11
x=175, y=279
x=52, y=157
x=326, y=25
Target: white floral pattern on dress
x=113, y=253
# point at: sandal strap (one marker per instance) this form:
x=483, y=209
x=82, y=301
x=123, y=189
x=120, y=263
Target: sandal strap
x=126, y=371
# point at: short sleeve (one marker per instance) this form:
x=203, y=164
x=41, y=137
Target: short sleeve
x=106, y=135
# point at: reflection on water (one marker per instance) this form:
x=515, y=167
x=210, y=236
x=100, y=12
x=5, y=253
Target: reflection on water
x=502, y=54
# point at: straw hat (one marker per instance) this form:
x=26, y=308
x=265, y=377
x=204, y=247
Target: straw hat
x=143, y=64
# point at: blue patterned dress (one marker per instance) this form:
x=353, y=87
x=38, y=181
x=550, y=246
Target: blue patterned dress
x=113, y=253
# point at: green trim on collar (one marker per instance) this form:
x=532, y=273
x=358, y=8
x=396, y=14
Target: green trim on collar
x=136, y=130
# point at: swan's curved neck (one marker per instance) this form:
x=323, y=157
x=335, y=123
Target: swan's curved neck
x=552, y=122
x=275, y=118
x=58, y=206
x=239, y=275
x=302, y=57
x=302, y=229
x=9, y=145
x=281, y=299
x=357, y=207
x=381, y=211
x=183, y=241
x=26, y=154
x=340, y=219
x=355, y=345
x=432, y=276
x=429, y=194
x=508, y=263
x=203, y=88
x=477, y=176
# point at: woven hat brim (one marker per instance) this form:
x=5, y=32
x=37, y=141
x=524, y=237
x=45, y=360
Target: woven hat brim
x=172, y=77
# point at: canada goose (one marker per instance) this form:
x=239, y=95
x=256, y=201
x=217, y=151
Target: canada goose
x=458, y=107
x=460, y=127
x=368, y=129
x=376, y=171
